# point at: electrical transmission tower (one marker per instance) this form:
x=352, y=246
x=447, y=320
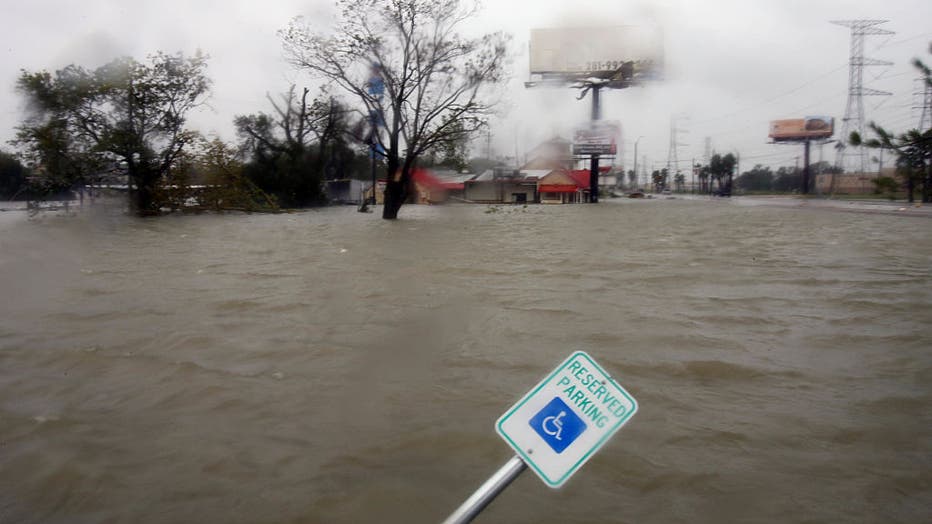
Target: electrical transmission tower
x=673, y=163
x=850, y=158
x=925, y=118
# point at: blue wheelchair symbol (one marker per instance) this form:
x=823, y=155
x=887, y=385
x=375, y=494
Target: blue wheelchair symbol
x=557, y=424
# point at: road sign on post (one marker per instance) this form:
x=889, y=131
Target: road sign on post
x=566, y=418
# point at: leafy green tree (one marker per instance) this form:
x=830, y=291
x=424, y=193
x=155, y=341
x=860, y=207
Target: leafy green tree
x=886, y=184
x=125, y=111
x=759, y=178
x=632, y=179
x=436, y=83
x=227, y=187
x=787, y=180
x=13, y=176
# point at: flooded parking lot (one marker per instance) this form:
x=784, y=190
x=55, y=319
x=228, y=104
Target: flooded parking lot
x=328, y=366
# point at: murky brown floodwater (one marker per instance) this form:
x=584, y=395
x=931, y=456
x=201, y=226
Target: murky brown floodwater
x=332, y=367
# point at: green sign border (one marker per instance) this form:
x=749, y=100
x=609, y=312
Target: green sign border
x=527, y=459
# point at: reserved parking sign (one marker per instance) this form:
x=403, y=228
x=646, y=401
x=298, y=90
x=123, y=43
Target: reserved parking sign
x=566, y=418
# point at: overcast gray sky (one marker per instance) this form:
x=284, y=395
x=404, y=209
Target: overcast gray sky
x=732, y=65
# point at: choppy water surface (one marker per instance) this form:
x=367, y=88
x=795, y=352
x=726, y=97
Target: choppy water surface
x=329, y=366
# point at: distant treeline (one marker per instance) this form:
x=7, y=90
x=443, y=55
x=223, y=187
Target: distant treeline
x=124, y=123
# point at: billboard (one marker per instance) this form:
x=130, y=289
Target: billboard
x=589, y=51
x=599, y=137
x=802, y=128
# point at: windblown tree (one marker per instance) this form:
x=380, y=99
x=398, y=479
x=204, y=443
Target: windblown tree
x=913, y=148
x=227, y=187
x=13, y=176
x=453, y=154
x=721, y=169
x=703, y=173
x=293, y=148
x=435, y=81
x=658, y=177
x=913, y=156
x=125, y=111
x=679, y=181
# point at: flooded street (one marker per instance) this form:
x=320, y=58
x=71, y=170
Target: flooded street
x=332, y=367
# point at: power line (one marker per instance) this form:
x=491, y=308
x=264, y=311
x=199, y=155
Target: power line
x=903, y=41
x=774, y=98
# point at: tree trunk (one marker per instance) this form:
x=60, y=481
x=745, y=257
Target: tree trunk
x=396, y=189
x=142, y=191
x=927, y=185
x=394, y=198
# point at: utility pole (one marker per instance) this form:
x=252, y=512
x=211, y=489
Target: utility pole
x=644, y=171
x=854, y=111
x=731, y=189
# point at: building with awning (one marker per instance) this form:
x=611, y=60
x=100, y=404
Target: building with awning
x=562, y=187
x=502, y=186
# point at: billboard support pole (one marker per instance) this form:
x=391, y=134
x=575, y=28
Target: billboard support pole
x=594, y=164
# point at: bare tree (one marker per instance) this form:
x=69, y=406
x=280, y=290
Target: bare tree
x=287, y=161
x=417, y=79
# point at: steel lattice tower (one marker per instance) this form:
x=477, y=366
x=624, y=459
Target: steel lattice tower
x=925, y=118
x=673, y=162
x=849, y=157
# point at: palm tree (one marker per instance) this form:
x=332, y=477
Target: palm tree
x=703, y=172
x=721, y=167
x=913, y=148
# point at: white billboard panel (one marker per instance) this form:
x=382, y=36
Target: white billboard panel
x=599, y=137
x=595, y=49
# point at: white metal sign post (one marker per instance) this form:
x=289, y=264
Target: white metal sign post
x=556, y=428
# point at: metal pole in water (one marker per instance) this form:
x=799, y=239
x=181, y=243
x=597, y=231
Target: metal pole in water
x=487, y=492
x=594, y=161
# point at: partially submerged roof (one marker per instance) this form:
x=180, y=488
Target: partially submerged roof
x=450, y=180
